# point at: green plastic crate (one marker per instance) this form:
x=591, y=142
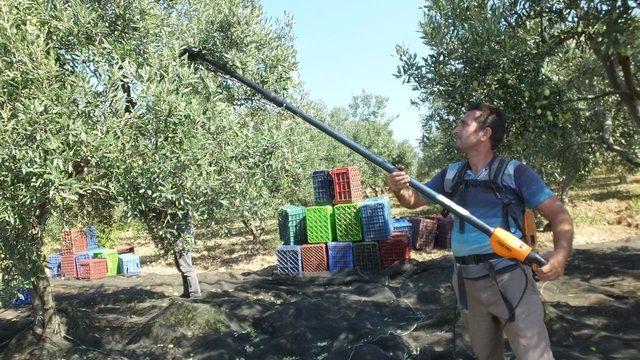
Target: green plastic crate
x=348, y=224
x=321, y=224
x=292, y=225
x=112, y=259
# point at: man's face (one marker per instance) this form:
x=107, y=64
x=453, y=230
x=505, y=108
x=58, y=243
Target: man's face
x=468, y=134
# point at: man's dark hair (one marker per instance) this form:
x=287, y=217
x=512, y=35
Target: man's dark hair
x=492, y=117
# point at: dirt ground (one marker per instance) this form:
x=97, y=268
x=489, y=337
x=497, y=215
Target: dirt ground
x=249, y=311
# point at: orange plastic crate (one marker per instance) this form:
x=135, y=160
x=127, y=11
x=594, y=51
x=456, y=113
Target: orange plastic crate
x=314, y=257
x=92, y=269
x=73, y=241
x=346, y=185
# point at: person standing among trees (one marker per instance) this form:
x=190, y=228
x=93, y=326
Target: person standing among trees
x=494, y=298
x=183, y=260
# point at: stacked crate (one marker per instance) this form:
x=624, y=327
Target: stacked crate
x=346, y=185
x=376, y=219
x=92, y=269
x=323, y=193
x=348, y=223
x=289, y=259
x=396, y=248
x=340, y=256
x=443, y=237
x=321, y=224
x=292, y=224
x=73, y=241
x=112, y=259
x=92, y=238
x=366, y=256
x=424, y=232
x=124, y=249
x=402, y=225
x=314, y=257
x=54, y=265
x=128, y=264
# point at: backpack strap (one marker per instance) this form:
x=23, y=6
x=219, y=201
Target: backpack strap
x=496, y=174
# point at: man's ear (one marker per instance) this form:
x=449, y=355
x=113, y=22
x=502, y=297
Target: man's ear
x=486, y=132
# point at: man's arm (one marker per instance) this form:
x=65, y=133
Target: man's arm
x=562, y=228
x=406, y=195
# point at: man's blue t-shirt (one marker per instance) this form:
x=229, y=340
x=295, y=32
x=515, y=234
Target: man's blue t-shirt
x=483, y=204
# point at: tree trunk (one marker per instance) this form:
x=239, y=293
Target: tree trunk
x=256, y=228
x=46, y=321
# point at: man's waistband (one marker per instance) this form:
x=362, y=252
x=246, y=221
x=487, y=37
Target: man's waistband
x=476, y=258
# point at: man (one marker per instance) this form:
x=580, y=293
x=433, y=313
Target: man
x=183, y=260
x=495, y=295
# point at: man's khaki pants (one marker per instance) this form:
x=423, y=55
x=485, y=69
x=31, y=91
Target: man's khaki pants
x=487, y=312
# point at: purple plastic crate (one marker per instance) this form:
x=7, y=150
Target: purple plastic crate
x=340, y=255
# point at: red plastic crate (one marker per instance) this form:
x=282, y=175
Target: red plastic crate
x=314, y=257
x=395, y=249
x=124, y=249
x=92, y=269
x=346, y=185
x=68, y=266
x=73, y=241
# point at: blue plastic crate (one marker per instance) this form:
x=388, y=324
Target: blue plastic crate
x=289, y=259
x=376, y=219
x=55, y=261
x=340, y=255
x=323, y=193
x=92, y=238
x=23, y=298
x=128, y=264
x=403, y=225
x=292, y=225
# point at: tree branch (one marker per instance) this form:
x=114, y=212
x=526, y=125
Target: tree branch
x=592, y=97
x=626, y=154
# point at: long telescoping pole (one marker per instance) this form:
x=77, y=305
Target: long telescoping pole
x=502, y=241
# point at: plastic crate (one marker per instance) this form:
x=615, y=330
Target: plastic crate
x=289, y=260
x=348, y=223
x=395, y=249
x=92, y=269
x=129, y=264
x=125, y=249
x=321, y=224
x=366, y=256
x=402, y=225
x=112, y=259
x=73, y=241
x=54, y=265
x=340, y=255
x=92, y=238
x=443, y=237
x=23, y=298
x=292, y=224
x=376, y=219
x=346, y=185
x=424, y=232
x=322, y=187
x=314, y=257
x=68, y=266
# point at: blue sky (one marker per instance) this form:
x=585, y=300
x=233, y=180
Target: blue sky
x=345, y=47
